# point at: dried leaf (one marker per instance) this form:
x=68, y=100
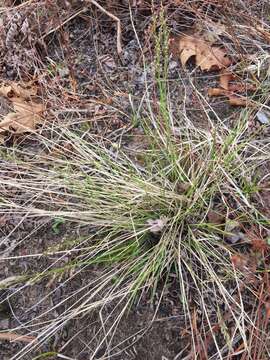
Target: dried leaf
x=26, y=114
x=233, y=99
x=229, y=90
x=24, y=91
x=25, y=118
x=224, y=80
x=217, y=92
x=207, y=57
x=237, y=101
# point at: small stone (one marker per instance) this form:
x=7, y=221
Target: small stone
x=263, y=118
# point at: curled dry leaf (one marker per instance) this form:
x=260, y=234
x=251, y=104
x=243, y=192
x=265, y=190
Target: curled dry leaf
x=238, y=101
x=234, y=100
x=207, y=57
x=230, y=90
x=224, y=80
x=217, y=92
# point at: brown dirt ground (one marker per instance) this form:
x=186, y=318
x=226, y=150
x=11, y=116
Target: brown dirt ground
x=90, y=57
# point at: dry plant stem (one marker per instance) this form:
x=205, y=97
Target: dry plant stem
x=63, y=23
x=115, y=18
x=4, y=8
x=10, y=336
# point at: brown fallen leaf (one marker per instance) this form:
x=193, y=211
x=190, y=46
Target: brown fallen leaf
x=207, y=57
x=230, y=90
x=26, y=112
x=224, y=80
x=13, y=89
x=217, y=92
x=238, y=101
x=234, y=100
x=25, y=118
x=242, y=87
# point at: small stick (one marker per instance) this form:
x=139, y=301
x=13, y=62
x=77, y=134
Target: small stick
x=115, y=18
x=16, y=337
x=63, y=23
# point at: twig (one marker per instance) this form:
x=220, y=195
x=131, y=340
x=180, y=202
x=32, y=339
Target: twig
x=16, y=337
x=115, y=18
x=63, y=23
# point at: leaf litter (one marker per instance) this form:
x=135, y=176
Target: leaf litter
x=27, y=112
x=209, y=57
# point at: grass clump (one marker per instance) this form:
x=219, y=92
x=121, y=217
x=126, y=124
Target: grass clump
x=150, y=219
x=147, y=215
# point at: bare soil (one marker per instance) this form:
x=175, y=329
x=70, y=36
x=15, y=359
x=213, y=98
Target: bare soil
x=85, y=50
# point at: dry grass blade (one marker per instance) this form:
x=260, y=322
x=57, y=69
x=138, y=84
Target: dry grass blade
x=123, y=225
x=11, y=336
x=115, y=18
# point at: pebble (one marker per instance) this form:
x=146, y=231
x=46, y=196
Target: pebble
x=263, y=118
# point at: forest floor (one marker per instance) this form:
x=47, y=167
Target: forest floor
x=60, y=292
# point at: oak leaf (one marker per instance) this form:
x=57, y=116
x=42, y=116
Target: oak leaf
x=231, y=90
x=25, y=118
x=13, y=89
x=207, y=57
x=26, y=112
